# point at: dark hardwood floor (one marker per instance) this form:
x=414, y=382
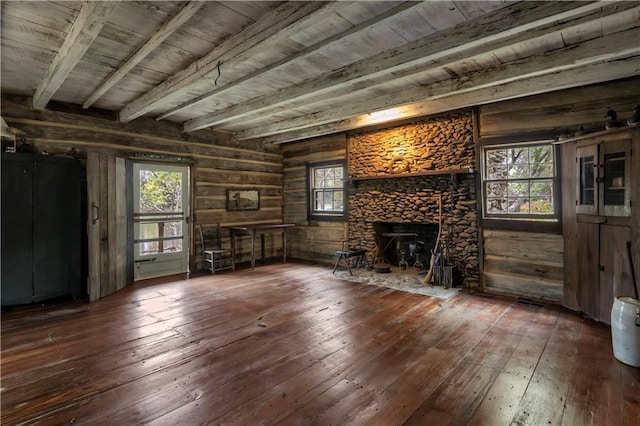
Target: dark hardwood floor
x=288, y=344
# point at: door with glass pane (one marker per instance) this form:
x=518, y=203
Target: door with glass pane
x=160, y=216
x=616, y=178
x=604, y=180
x=587, y=189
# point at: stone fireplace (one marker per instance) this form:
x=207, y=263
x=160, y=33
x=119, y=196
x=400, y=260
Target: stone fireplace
x=398, y=177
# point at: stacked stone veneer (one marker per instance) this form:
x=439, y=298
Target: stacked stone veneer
x=430, y=145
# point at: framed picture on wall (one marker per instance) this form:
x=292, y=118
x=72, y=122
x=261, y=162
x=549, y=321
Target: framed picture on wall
x=243, y=199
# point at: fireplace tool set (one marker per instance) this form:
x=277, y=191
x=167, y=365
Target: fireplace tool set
x=440, y=272
x=416, y=249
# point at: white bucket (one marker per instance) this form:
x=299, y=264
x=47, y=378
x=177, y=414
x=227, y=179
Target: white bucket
x=625, y=330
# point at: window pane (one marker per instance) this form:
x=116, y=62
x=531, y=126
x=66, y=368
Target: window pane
x=518, y=205
x=498, y=172
x=587, y=181
x=519, y=171
x=319, y=200
x=148, y=230
x=496, y=157
x=496, y=189
x=148, y=248
x=157, y=230
x=338, y=201
x=331, y=183
x=541, y=154
x=539, y=188
x=318, y=178
x=497, y=205
x=496, y=161
x=327, y=201
x=542, y=170
x=173, y=246
x=160, y=191
x=338, y=172
x=542, y=205
x=518, y=156
x=173, y=229
x=518, y=189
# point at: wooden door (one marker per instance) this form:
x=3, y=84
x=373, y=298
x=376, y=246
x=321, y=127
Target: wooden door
x=588, y=260
x=56, y=228
x=615, y=271
x=108, y=231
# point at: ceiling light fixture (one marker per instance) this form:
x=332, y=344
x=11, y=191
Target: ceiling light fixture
x=385, y=115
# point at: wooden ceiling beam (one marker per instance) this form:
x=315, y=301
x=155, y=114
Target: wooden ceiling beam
x=376, y=20
x=590, y=74
x=571, y=57
x=151, y=44
x=465, y=39
x=86, y=27
x=277, y=25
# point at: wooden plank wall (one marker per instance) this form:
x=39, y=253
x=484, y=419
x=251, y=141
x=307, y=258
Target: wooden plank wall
x=311, y=240
x=555, y=113
x=109, y=268
x=562, y=111
x=524, y=263
x=569, y=228
x=219, y=162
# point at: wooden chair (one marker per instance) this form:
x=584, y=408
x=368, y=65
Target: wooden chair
x=348, y=254
x=216, y=258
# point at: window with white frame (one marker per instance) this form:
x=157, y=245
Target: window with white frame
x=327, y=191
x=519, y=181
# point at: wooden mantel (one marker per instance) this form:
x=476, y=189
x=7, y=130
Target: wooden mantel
x=448, y=171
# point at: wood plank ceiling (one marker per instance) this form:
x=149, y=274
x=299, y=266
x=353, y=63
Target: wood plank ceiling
x=285, y=71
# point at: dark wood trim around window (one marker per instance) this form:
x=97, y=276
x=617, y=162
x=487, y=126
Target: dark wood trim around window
x=327, y=217
x=525, y=224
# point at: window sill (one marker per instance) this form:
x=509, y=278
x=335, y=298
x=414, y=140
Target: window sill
x=327, y=218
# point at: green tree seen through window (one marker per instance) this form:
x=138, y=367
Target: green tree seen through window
x=160, y=191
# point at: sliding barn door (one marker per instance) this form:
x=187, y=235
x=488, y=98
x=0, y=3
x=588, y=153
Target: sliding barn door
x=110, y=261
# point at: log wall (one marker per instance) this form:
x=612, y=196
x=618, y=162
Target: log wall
x=524, y=263
x=562, y=112
x=555, y=114
x=218, y=162
x=310, y=240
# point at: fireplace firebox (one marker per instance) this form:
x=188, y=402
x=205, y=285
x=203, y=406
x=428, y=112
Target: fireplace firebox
x=405, y=242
